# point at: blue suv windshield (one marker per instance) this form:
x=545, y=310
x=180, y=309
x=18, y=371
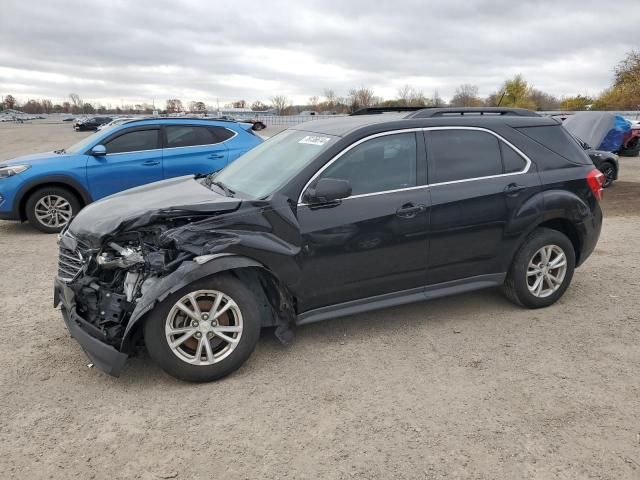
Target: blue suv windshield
x=84, y=144
x=264, y=169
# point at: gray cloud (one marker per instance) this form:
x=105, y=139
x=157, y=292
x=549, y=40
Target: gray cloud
x=201, y=50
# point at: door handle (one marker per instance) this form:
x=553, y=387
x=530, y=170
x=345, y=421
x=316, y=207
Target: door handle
x=216, y=155
x=148, y=163
x=410, y=210
x=513, y=189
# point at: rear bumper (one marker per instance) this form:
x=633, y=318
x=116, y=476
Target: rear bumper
x=102, y=355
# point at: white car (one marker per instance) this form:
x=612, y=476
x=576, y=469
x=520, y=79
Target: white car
x=114, y=122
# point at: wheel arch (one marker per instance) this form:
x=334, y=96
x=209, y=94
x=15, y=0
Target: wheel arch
x=277, y=297
x=60, y=181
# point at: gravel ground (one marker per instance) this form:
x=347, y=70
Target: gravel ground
x=463, y=387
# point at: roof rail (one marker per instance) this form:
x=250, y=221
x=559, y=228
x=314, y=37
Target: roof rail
x=475, y=111
x=164, y=117
x=378, y=110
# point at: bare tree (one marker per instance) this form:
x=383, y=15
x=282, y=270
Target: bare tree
x=313, y=102
x=258, y=106
x=76, y=103
x=10, y=101
x=409, y=96
x=330, y=97
x=360, y=98
x=174, y=105
x=466, y=95
x=281, y=103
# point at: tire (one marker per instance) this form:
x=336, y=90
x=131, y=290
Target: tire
x=608, y=169
x=258, y=126
x=521, y=277
x=183, y=361
x=49, y=209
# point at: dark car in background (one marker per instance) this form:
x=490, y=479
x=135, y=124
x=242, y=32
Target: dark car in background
x=606, y=162
x=361, y=213
x=90, y=123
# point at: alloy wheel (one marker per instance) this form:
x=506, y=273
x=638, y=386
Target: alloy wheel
x=546, y=271
x=204, y=327
x=53, y=211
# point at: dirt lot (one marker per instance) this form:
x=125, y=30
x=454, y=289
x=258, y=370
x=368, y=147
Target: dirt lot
x=463, y=387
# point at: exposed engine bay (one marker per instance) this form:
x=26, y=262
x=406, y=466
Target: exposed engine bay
x=118, y=269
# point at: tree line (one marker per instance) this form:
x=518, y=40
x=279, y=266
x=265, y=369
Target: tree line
x=622, y=94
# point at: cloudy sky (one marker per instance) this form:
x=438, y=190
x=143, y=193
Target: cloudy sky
x=142, y=51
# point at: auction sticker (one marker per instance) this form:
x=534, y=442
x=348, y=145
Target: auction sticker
x=314, y=140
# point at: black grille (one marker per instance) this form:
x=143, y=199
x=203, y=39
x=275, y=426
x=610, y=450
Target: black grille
x=69, y=264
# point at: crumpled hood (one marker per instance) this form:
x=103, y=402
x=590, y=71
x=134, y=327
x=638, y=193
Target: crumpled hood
x=144, y=205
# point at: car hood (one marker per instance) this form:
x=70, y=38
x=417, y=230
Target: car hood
x=34, y=158
x=140, y=206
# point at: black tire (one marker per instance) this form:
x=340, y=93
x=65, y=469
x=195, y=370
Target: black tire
x=257, y=126
x=51, y=192
x=608, y=169
x=516, y=287
x=160, y=351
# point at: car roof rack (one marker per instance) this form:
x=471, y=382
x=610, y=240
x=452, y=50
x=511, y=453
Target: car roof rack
x=164, y=117
x=378, y=110
x=473, y=111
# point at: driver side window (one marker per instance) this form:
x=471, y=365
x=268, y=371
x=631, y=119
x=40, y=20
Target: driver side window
x=377, y=165
x=134, y=141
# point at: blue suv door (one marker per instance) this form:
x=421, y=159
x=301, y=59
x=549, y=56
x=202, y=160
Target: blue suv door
x=133, y=158
x=191, y=149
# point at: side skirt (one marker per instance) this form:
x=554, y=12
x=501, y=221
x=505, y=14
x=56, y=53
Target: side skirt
x=428, y=292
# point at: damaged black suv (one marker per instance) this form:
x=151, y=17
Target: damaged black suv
x=328, y=218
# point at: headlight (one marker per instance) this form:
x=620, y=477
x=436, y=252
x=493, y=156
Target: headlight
x=12, y=170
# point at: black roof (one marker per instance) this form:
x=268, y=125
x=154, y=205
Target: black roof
x=342, y=126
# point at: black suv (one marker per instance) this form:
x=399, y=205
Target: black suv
x=329, y=218
x=91, y=123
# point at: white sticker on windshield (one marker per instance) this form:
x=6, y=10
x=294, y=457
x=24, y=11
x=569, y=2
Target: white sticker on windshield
x=314, y=140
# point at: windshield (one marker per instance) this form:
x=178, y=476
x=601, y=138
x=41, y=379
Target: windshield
x=84, y=144
x=264, y=169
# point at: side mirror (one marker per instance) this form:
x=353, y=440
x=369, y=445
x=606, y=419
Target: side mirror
x=328, y=190
x=99, y=151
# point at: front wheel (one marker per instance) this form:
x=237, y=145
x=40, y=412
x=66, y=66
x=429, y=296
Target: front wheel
x=609, y=172
x=541, y=270
x=204, y=331
x=50, y=209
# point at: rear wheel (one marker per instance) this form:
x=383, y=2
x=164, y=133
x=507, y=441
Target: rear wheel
x=204, y=331
x=50, y=209
x=258, y=126
x=541, y=270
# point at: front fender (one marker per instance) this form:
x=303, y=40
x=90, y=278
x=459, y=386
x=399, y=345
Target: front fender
x=188, y=272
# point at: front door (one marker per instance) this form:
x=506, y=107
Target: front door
x=133, y=158
x=478, y=187
x=375, y=241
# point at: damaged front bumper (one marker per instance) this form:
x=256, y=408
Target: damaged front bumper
x=102, y=355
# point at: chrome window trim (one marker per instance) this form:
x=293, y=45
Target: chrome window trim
x=132, y=151
x=428, y=185
x=235, y=134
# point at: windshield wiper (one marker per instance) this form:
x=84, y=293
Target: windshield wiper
x=60, y=151
x=227, y=191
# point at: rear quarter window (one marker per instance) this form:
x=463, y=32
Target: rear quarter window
x=558, y=140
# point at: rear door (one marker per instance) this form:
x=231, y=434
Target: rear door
x=479, y=184
x=133, y=158
x=193, y=149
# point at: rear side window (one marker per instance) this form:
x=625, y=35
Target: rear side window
x=557, y=139
x=463, y=154
x=188, y=136
x=134, y=141
x=221, y=133
x=511, y=161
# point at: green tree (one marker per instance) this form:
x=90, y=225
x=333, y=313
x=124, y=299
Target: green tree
x=579, y=102
x=517, y=93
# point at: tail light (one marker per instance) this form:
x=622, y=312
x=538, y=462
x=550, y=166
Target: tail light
x=595, y=180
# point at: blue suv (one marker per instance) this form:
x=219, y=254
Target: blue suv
x=48, y=189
